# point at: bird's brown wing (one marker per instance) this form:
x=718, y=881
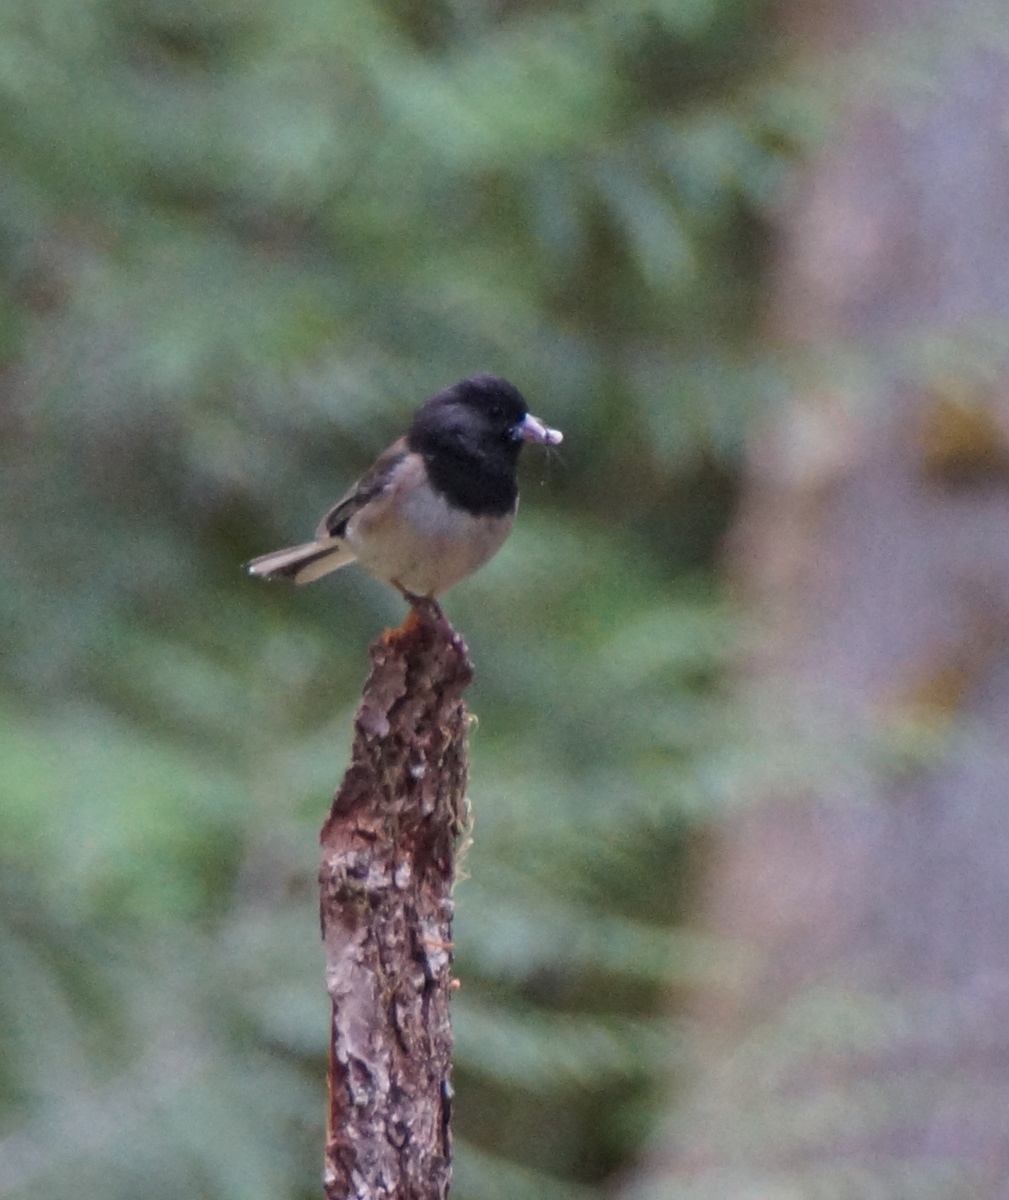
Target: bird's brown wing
x=371, y=484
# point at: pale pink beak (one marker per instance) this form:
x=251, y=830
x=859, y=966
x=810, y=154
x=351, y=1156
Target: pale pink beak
x=532, y=429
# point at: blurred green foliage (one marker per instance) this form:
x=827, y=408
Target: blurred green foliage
x=239, y=242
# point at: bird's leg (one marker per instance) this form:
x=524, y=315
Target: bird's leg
x=425, y=608
x=428, y=611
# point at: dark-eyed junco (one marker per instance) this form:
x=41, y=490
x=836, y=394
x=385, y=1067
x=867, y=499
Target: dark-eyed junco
x=436, y=505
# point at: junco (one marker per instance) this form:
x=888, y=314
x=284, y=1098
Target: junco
x=436, y=505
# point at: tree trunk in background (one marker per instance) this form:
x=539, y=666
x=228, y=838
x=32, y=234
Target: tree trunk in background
x=864, y=1050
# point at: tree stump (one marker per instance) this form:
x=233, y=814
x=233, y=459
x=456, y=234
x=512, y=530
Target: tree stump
x=386, y=879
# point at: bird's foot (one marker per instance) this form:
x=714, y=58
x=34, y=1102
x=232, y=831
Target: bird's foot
x=428, y=611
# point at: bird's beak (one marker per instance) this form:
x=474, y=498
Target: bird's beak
x=532, y=429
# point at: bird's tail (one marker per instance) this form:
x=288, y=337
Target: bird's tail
x=303, y=563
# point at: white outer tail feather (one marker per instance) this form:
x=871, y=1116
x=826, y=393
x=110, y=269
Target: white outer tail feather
x=281, y=562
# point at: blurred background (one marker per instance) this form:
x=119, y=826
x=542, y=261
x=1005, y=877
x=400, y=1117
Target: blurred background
x=240, y=241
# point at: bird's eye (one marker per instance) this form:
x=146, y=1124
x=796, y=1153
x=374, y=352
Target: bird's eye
x=496, y=411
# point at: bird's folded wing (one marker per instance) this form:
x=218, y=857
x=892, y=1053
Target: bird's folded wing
x=371, y=484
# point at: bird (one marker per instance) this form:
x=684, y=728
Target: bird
x=436, y=505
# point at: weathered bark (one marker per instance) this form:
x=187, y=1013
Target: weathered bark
x=864, y=1052
x=388, y=861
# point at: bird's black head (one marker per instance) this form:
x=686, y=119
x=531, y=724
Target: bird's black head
x=470, y=435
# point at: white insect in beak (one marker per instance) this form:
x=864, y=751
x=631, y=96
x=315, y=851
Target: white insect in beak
x=532, y=429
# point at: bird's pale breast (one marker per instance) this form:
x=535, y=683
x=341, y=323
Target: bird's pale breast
x=414, y=539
